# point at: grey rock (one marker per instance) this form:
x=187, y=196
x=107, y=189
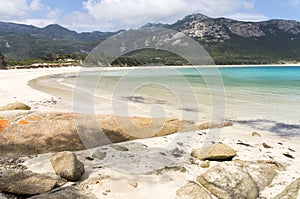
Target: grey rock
x=67, y=166
x=238, y=179
x=291, y=191
x=216, y=152
x=262, y=173
x=15, y=106
x=26, y=183
x=69, y=192
x=192, y=191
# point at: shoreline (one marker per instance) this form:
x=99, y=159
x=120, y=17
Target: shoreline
x=142, y=155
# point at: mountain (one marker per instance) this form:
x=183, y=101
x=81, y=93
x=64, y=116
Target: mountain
x=228, y=41
x=22, y=42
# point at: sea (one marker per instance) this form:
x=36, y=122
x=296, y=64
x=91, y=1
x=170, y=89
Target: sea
x=264, y=97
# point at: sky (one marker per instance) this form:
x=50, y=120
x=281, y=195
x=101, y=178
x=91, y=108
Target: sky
x=112, y=15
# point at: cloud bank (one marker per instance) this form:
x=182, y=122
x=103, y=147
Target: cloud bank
x=123, y=14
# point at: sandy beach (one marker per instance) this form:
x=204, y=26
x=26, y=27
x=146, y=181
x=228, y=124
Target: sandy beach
x=148, y=168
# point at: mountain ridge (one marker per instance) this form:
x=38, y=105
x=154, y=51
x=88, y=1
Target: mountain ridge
x=228, y=41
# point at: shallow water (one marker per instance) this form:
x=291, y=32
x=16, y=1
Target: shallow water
x=266, y=95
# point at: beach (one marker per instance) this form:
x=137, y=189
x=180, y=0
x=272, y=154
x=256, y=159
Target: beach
x=152, y=166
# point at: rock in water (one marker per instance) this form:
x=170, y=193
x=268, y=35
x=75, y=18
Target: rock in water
x=216, y=152
x=192, y=191
x=238, y=179
x=67, y=166
x=291, y=191
x=26, y=183
x=15, y=106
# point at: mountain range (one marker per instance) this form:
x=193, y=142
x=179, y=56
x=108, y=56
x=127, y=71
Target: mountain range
x=228, y=41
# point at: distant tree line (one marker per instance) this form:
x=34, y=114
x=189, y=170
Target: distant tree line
x=3, y=63
x=52, y=57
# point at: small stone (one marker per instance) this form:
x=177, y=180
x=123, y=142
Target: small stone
x=67, y=166
x=255, y=134
x=266, y=146
x=119, y=148
x=205, y=164
x=133, y=183
x=107, y=190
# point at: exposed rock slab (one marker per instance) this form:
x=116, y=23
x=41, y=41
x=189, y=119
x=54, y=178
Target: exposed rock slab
x=67, y=166
x=192, y=191
x=216, y=152
x=35, y=133
x=26, y=183
x=238, y=179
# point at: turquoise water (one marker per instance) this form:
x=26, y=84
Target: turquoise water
x=253, y=95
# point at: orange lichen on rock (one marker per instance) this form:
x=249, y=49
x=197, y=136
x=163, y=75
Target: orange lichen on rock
x=3, y=125
x=33, y=118
x=23, y=122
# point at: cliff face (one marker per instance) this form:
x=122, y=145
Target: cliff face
x=218, y=30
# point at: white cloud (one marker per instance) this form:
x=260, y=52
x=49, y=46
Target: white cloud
x=293, y=3
x=17, y=9
x=36, y=22
x=134, y=13
x=35, y=5
x=53, y=13
x=248, y=17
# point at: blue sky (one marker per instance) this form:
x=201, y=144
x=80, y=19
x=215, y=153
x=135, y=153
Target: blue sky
x=111, y=15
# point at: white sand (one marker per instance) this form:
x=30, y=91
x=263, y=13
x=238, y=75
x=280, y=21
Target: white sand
x=14, y=87
x=150, y=154
x=155, y=153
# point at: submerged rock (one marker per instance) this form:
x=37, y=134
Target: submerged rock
x=15, y=106
x=26, y=183
x=192, y=191
x=67, y=166
x=216, y=152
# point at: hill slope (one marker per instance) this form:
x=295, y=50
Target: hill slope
x=228, y=41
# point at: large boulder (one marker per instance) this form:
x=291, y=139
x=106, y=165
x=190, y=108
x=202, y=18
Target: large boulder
x=67, y=166
x=216, y=152
x=290, y=192
x=238, y=179
x=192, y=191
x=26, y=183
x=15, y=106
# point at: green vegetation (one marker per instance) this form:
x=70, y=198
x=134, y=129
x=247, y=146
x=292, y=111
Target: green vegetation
x=3, y=63
x=266, y=50
x=148, y=57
